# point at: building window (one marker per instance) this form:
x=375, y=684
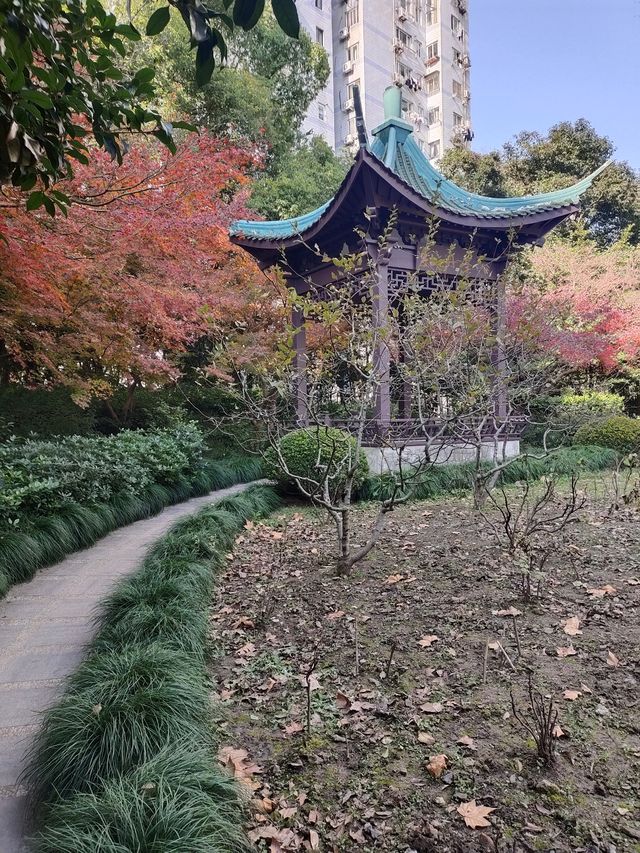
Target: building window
x=433, y=116
x=403, y=38
x=432, y=50
x=406, y=108
x=434, y=149
x=318, y=4
x=457, y=57
x=403, y=69
x=432, y=12
x=457, y=120
x=320, y=36
x=351, y=87
x=352, y=52
x=432, y=83
x=457, y=88
x=455, y=24
x=352, y=16
x=322, y=112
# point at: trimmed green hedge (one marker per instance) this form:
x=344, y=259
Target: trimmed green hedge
x=619, y=433
x=561, y=415
x=125, y=762
x=312, y=451
x=61, y=496
x=456, y=479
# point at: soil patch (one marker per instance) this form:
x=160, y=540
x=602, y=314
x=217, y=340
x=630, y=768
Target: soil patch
x=358, y=710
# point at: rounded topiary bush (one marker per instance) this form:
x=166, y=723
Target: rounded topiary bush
x=619, y=433
x=316, y=452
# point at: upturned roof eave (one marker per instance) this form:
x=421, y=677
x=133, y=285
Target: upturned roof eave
x=366, y=159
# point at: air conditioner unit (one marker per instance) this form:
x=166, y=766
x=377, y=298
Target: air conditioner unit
x=349, y=139
x=343, y=34
x=398, y=79
x=398, y=46
x=466, y=61
x=348, y=105
x=347, y=68
x=402, y=15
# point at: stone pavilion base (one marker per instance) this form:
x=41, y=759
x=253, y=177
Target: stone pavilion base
x=384, y=459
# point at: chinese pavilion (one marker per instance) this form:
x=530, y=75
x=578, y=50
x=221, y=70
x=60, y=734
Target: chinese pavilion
x=392, y=173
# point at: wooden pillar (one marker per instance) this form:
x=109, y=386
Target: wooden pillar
x=300, y=365
x=406, y=388
x=500, y=351
x=381, y=354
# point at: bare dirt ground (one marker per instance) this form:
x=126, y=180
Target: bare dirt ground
x=360, y=712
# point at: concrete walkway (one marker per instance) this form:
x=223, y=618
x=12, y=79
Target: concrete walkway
x=44, y=627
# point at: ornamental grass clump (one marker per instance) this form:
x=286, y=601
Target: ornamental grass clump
x=121, y=708
x=177, y=801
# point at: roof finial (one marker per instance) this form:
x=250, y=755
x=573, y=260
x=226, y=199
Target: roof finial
x=392, y=100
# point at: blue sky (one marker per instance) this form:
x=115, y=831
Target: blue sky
x=537, y=62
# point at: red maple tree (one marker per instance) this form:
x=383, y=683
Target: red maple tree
x=116, y=292
x=585, y=304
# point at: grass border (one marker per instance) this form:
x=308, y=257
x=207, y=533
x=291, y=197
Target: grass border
x=456, y=479
x=51, y=538
x=125, y=761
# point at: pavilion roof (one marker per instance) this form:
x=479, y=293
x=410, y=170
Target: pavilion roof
x=395, y=148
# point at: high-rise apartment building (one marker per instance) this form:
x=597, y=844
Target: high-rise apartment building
x=420, y=45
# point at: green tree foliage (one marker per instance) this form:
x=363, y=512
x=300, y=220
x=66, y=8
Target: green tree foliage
x=61, y=78
x=479, y=173
x=534, y=163
x=260, y=95
x=307, y=177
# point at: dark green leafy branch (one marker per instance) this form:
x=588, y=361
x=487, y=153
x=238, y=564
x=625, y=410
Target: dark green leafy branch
x=61, y=84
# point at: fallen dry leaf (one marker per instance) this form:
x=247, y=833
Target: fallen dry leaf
x=425, y=737
x=293, y=728
x=427, y=640
x=612, y=660
x=510, y=611
x=572, y=626
x=566, y=651
x=467, y=741
x=393, y=579
x=437, y=765
x=557, y=731
x=432, y=707
x=314, y=840
x=572, y=695
x=288, y=812
x=600, y=592
x=474, y=815
x=337, y=614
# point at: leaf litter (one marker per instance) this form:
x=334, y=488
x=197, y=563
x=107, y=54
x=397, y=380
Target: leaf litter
x=347, y=757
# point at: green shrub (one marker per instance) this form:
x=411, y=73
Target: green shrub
x=619, y=433
x=316, y=453
x=563, y=414
x=43, y=477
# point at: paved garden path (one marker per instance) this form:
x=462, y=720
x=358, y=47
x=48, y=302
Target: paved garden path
x=44, y=627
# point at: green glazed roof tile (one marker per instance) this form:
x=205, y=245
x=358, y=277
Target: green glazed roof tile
x=396, y=149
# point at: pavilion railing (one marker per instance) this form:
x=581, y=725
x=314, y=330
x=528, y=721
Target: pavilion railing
x=414, y=430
